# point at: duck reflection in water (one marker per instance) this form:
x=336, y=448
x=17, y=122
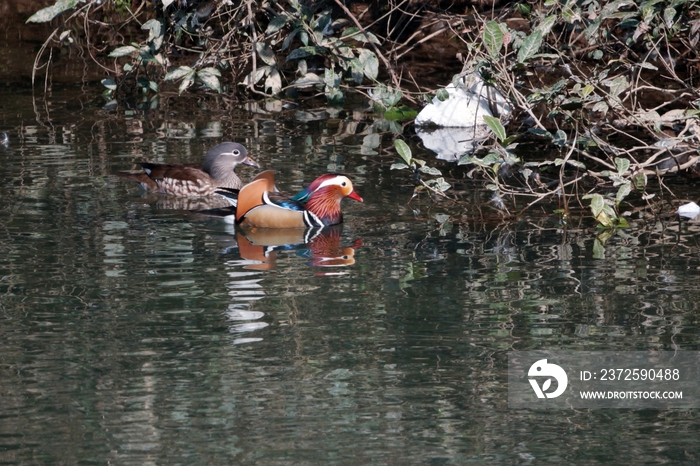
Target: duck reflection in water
x=321, y=246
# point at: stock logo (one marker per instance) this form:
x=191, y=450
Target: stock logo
x=542, y=369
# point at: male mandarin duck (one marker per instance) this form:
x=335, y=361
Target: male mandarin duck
x=260, y=204
x=194, y=180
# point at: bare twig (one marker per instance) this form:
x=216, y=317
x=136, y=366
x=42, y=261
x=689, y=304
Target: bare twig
x=387, y=65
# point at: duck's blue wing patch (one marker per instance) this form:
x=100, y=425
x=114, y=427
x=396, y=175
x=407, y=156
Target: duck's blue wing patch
x=282, y=200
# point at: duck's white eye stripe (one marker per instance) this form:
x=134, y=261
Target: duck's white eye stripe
x=337, y=181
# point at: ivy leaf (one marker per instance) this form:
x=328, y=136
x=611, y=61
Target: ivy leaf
x=559, y=138
x=430, y=170
x=353, y=31
x=640, y=181
x=123, y=51
x=356, y=71
x=530, y=46
x=309, y=79
x=597, y=204
x=210, y=79
x=109, y=83
x=265, y=53
x=496, y=126
x=277, y=23
x=370, y=63
x=546, y=25
x=622, y=165
x=187, y=82
x=441, y=185
x=303, y=52
x=178, y=73
x=274, y=82
x=50, y=12
x=493, y=38
x=669, y=14
x=622, y=193
x=154, y=28
x=398, y=166
x=541, y=132
x=404, y=151
x=442, y=94
x=255, y=76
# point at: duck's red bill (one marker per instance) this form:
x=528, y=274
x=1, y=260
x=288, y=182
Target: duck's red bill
x=353, y=195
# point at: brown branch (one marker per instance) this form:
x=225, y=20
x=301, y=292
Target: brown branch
x=390, y=69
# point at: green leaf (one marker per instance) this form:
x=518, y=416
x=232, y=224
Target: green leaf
x=210, y=79
x=546, y=25
x=210, y=70
x=404, y=151
x=541, y=132
x=290, y=37
x=622, y=165
x=598, y=249
x=439, y=184
x=669, y=14
x=640, y=181
x=351, y=31
x=576, y=163
x=530, y=46
x=356, y=71
x=154, y=28
x=496, y=126
x=597, y=204
x=109, y=83
x=265, y=53
x=601, y=107
x=277, y=23
x=596, y=54
x=123, y=51
x=47, y=14
x=465, y=160
x=309, y=79
x=617, y=85
x=393, y=114
x=442, y=94
x=370, y=63
x=178, y=73
x=559, y=138
x=493, y=38
x=430, y=170
x=622, y=192
x=303, y=52
x=273, y=82
x=523, y=9
x=187, y=82
x=398, y=166
x=254, y=76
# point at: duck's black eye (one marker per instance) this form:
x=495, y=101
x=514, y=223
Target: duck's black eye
x=343, y=184
x=236, y=152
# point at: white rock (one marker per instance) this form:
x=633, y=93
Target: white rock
x=451, y=143
x=689, y=210
x=469, y=102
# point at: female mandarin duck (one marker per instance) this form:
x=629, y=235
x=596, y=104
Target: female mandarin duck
x=259, y=204
x=193, y=180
